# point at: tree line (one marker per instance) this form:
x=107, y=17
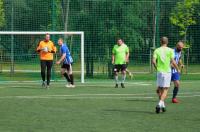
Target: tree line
x=103, y=22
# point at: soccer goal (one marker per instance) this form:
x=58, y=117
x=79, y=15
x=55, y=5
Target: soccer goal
x=18, y=56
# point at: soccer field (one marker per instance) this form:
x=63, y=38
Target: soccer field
x=96, y=107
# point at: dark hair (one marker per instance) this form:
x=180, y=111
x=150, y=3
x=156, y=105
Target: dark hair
x=120, y=39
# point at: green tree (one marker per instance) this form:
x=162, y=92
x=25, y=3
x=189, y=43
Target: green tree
x=2, y=14
x=183, y=16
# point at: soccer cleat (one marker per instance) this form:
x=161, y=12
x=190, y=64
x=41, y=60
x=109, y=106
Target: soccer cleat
x=43, y=84
x=163, y=109
x=157, y=109
x=67, y=85
x=72, y=86
x=174, y=100
x=122, y=85
x=116, y=85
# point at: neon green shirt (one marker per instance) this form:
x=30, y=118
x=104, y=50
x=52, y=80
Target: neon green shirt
x=120, y=53
x=163, y=56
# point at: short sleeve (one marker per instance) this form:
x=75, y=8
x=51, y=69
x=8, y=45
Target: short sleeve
x=127, y=49
x=172, y=55
x=65, y=50
x=155, y=54
x=113, y=50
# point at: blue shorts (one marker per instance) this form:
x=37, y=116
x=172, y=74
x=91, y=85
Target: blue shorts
x=175, y=76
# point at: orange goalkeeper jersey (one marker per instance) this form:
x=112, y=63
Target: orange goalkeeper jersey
x=51, y=49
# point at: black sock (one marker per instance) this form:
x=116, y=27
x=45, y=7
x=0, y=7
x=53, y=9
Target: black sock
x=72, y=79
x=175, y=92
x=67, y=77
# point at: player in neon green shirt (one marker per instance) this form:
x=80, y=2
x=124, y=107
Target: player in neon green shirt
x=120, y=56
x=163, y=58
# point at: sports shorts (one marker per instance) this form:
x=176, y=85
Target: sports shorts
x=119, y=67
x=175, y=76
x=163, y=79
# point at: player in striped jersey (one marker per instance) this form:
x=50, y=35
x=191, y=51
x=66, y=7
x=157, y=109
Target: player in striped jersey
x=175, y=75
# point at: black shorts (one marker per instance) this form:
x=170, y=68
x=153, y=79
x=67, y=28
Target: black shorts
x=67, y=66
x=121, y=67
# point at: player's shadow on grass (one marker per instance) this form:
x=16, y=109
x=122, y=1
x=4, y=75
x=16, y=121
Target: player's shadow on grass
x=141, y=100
x=131, y=111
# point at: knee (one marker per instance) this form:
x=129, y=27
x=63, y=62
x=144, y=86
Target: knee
x=124, y=72
x=116, y=73
x=62, y=72
x=177, y=84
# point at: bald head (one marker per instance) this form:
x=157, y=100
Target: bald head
x=180, y=46
x=164, y=40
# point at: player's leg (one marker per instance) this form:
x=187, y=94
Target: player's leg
x=64, y=72
x=116, y=71
x=123, y=70
x=43, y=69
x=128, y=72
x=49, y=67
x=163, y=97
x=175, y=91
x=158, y=91
x=175, y=79
x=71, y=76
x=163, y=82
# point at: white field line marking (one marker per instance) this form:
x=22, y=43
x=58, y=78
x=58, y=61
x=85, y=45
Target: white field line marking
x=80, y=85
x=88, y=97
x=21, y=86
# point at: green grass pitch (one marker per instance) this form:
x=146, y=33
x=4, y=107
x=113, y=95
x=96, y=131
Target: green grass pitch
x=96, y=107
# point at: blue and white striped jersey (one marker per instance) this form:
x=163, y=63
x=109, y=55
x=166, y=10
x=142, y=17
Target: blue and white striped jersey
x=177, y=57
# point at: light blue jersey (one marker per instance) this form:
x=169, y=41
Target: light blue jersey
x=64, y=49
x=177, y=57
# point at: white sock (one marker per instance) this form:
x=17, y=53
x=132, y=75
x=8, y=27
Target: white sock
x=116, y=80
x=161, y=103
x=123, y=78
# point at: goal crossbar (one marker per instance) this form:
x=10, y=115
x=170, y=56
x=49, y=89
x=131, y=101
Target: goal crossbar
x=53, y=33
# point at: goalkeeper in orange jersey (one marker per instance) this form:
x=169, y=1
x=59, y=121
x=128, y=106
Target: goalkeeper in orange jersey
x=46, y=49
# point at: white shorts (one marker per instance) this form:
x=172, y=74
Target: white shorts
x=163, y=79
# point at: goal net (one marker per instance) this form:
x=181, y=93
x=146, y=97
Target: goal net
x=20, y=61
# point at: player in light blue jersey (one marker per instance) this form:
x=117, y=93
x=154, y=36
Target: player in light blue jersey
x=175, y=75
x=66, y=60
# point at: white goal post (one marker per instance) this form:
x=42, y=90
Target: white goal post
x=81, y=33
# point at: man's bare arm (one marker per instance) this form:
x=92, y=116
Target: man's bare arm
x=61, y=58
x=113, y=59
x=175, y=65
x=127, y=57
x=154, y=63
